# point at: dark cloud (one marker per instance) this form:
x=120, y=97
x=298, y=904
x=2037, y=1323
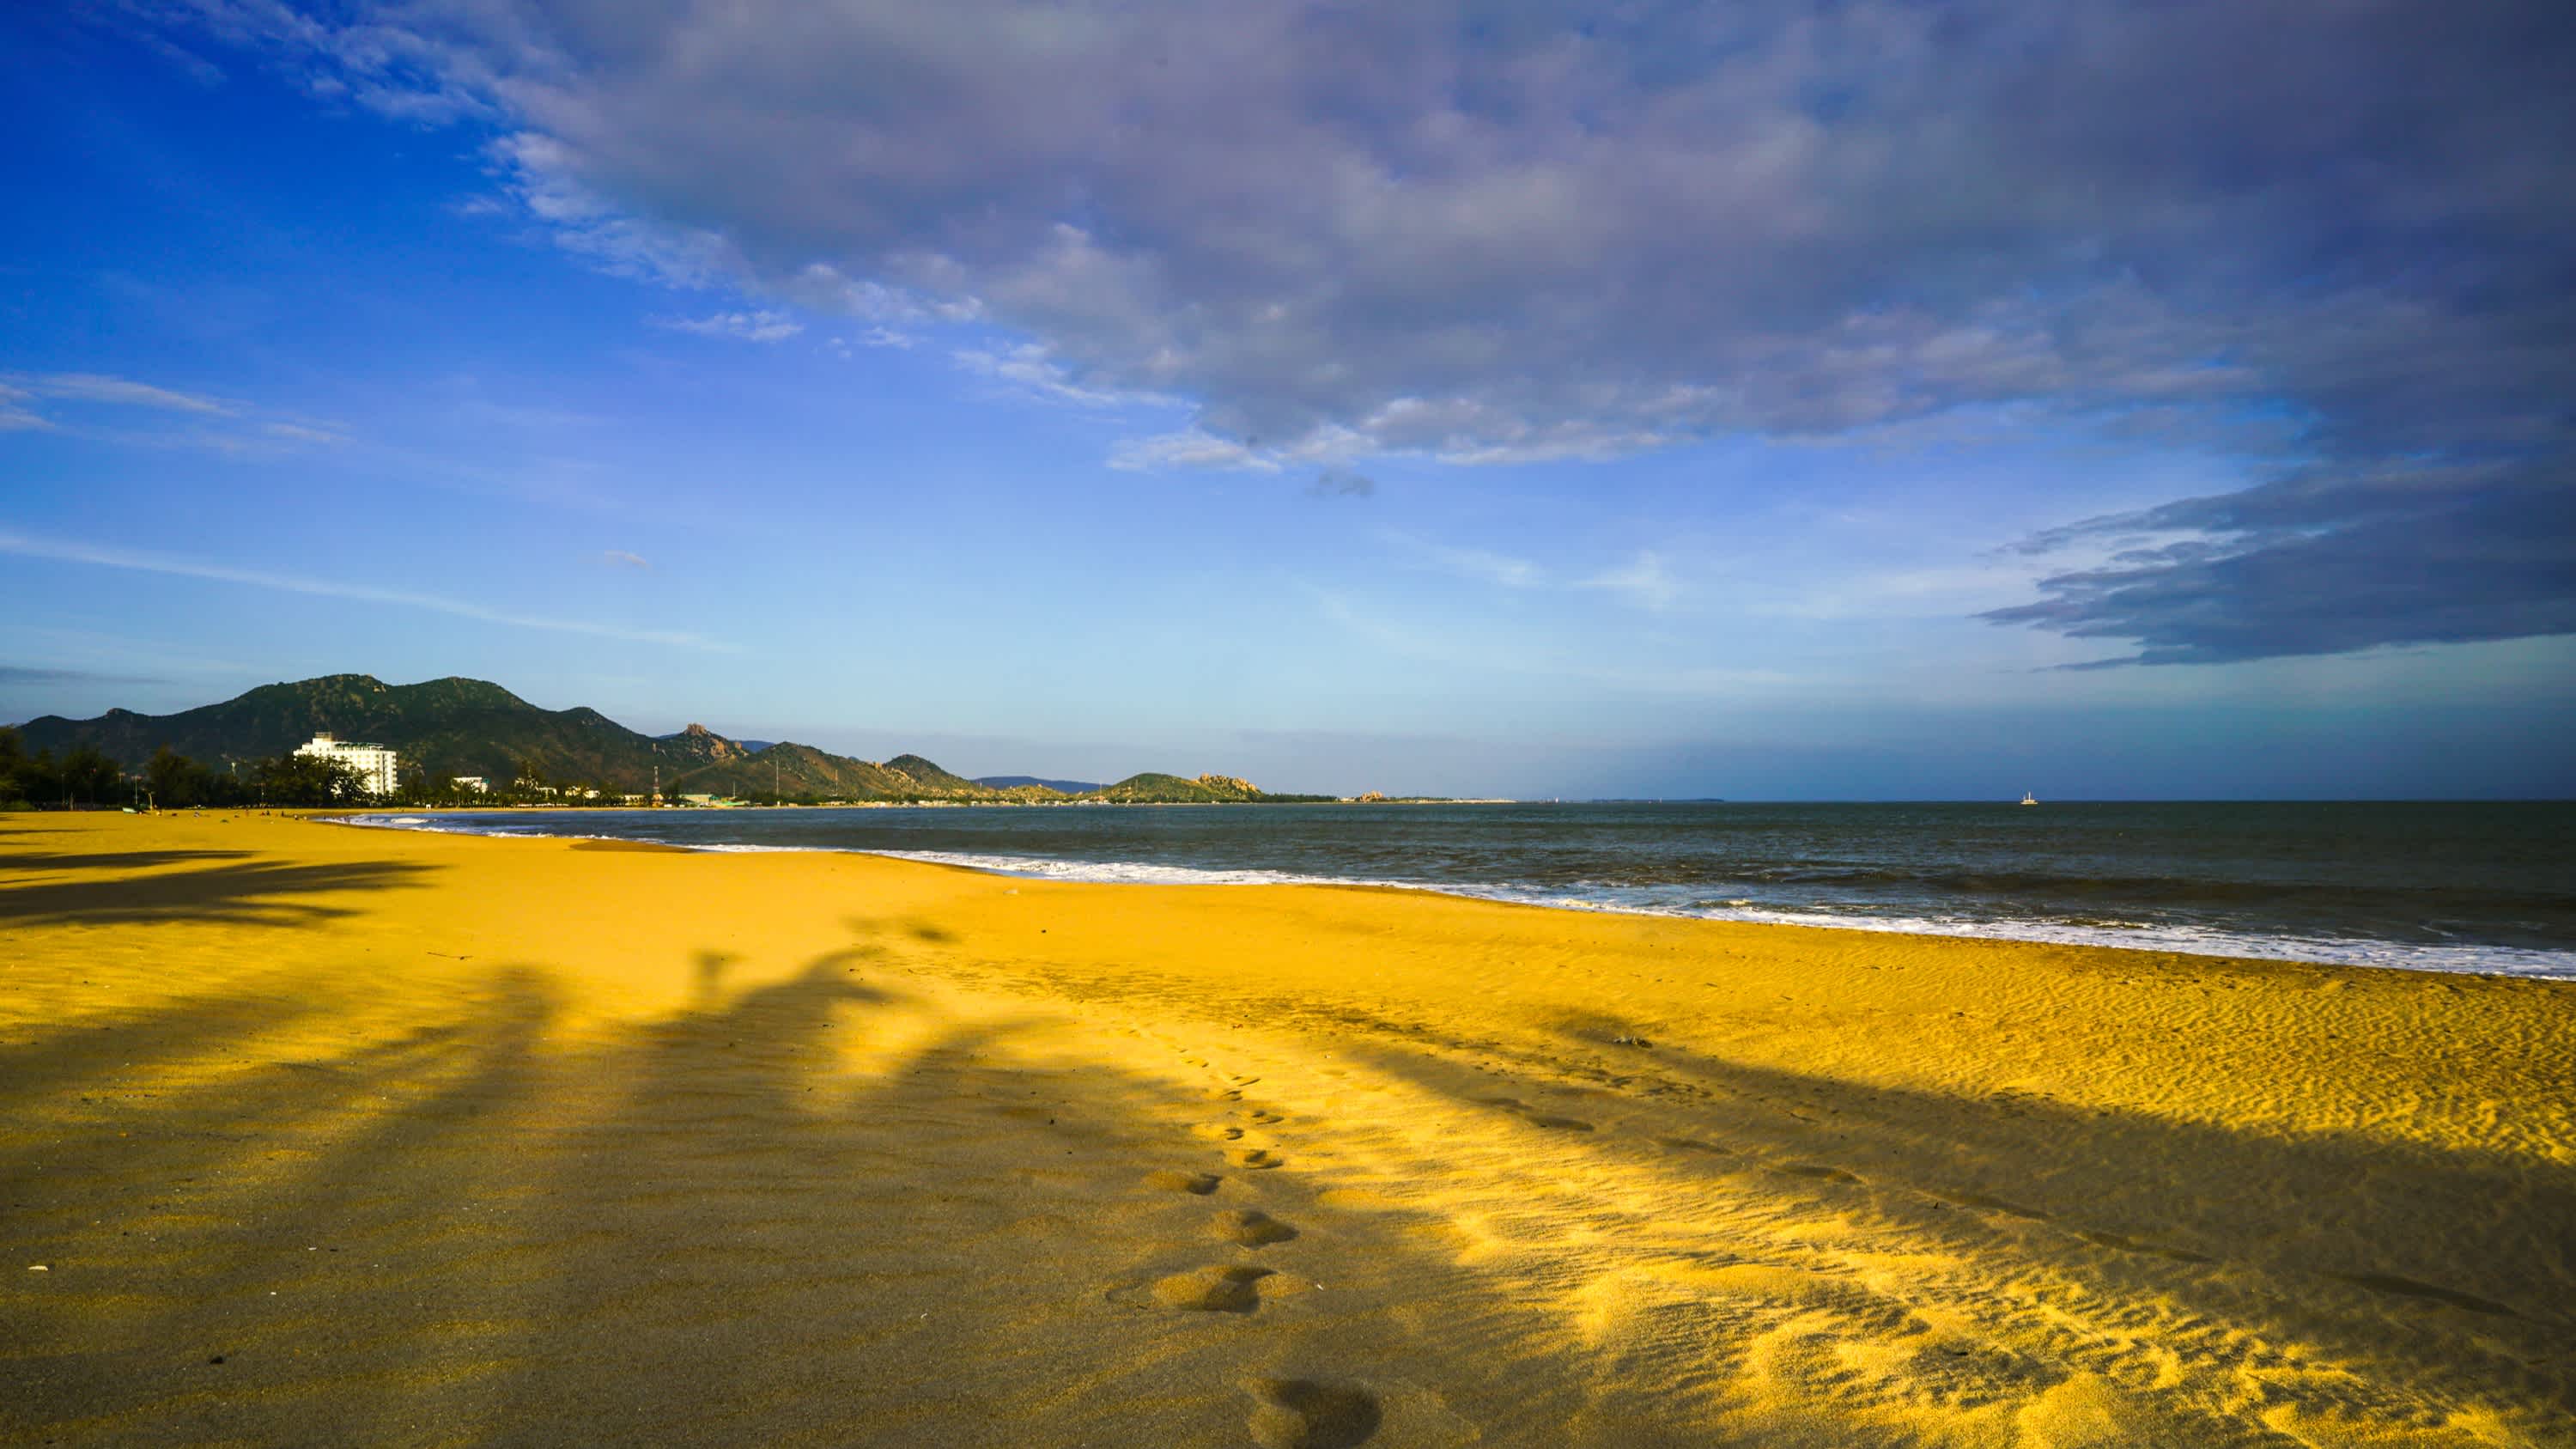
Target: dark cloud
x=2412, y=556
x=1341, y=482
x=2331, y=238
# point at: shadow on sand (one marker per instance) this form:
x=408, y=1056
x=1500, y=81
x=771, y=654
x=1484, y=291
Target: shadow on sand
x=257, y=894
x=813, y=1210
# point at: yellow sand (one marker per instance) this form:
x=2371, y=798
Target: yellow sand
x=330, y=1136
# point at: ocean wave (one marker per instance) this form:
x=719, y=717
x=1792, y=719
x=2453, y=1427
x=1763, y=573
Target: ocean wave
x=1120, y=872
x=2090, y=929
x=2073, y=888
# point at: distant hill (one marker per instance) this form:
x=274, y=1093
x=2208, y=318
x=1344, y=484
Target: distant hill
x=1061, y=787
x=450, y=727
x=804, y=772
x=1153, y=789
x=472, y=727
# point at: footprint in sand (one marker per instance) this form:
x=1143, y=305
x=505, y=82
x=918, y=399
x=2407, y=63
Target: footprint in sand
x=2128, y=1245
x=1199, y=1183
x=1228, y=1095
x=1311, y=1414
x=1255, y=1157
x=1693, y=1144
x=1212, y=1290
x=1217, y=1132
x=1252, y=1228
x=1263, y=1119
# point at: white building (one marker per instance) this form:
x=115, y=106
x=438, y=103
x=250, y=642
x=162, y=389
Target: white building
x=374, y=763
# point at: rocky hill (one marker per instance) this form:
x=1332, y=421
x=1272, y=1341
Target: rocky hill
x=1153, y=789
x=450, y=727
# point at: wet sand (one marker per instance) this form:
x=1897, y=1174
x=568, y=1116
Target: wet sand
x=313, y=1135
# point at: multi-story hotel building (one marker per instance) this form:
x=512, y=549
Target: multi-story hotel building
x=374, y=763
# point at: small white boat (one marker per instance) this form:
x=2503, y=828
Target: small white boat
x=2027, y=798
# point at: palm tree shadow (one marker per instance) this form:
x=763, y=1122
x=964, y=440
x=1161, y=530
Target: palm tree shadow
x=822, y=1207
x=2137, y=1207
x=191, y=1258
x=50, y=861
x=257, y=894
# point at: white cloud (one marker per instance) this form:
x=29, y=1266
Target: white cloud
x=873, y=337
x=1191, y=449
x=1642, y=581
x=141, y=414
x=299, y=433
x=1028, y=368
x=821, y=287
x=746, y=326
x=14, y=415
x=67, y=551
x=1476, y=564
x=99, y=387
x=620, y=558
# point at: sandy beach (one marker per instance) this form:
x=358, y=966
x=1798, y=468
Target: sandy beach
x=317, y=1135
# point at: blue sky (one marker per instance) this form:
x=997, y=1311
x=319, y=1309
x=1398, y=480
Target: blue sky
x=1783, y=405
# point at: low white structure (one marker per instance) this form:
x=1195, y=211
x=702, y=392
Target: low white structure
x=475, y=783
x=374, y=763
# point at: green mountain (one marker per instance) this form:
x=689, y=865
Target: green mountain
x=471, y=727
x=449, y=726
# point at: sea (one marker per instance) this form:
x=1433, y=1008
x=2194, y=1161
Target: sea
x=2472, y=887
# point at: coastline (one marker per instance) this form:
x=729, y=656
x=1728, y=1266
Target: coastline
x=780, y=1146
x=2449, y=957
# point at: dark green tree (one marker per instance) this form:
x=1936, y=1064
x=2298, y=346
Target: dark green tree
x=309, y=780
x=89, y=777
x=175, y=780
x=15, y=767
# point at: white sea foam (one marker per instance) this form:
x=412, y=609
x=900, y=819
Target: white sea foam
x=2178, y=939
x=1120, y=872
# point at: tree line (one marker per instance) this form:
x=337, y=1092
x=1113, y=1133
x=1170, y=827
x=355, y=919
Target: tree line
x=87, y=778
